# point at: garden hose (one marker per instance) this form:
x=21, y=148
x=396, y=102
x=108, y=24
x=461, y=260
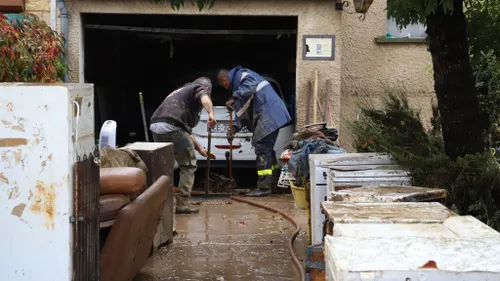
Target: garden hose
x=295, y=260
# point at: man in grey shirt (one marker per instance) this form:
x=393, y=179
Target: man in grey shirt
x=173, y=122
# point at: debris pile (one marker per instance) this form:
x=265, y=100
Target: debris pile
x=221, y=184
x=315, y=139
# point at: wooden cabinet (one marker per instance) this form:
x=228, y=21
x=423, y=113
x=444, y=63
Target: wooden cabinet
x=12, y=6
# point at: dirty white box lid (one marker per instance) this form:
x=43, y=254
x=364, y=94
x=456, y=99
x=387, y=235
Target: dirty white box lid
x=363, y=230
x=334, y=173
x=402, y=258
x=387, y=193
x=400, y=212
x=469, y=226
x=349, y=159
x=147, y=145
x=457, y=226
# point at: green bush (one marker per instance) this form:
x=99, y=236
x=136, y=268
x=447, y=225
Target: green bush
x=486, y=68
x=472, y=182
x=30, y=51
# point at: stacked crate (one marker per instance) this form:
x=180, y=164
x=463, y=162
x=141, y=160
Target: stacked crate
x=407, y=241
x=346, y=170
x=366, y=178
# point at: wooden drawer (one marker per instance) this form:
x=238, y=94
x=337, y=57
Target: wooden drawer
x=12, y=6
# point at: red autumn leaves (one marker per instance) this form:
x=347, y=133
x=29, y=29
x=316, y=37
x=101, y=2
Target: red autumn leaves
x=30, y=51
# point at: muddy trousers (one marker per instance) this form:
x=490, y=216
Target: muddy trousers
x=185, y=156
x=266, y=161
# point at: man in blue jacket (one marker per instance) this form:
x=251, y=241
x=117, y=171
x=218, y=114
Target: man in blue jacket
x=262, y=111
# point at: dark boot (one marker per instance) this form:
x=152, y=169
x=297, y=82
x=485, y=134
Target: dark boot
x=263, y=187
x=276, y=177
x=182, y=206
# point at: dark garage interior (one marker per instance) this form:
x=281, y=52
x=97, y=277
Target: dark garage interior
x=155, y=54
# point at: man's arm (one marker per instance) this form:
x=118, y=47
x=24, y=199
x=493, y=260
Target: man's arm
x=247, y=88
x=200, y=149
x=202, y=94
x=208, y=105
x=197, y=145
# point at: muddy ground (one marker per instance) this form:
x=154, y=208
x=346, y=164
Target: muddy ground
x=231, y=242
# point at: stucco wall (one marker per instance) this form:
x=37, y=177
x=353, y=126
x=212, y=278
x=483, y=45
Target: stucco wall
x=362, y=71
x=369, y=68
x=40, y=8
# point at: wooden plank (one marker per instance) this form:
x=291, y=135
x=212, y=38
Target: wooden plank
x=327, y=102
x=308, y=102
x=315, y=96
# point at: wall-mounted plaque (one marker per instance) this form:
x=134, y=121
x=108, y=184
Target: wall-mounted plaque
x=318, y=47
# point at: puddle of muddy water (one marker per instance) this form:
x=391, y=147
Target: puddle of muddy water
x=230, y=242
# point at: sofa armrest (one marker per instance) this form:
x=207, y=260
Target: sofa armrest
x=124, y=180
x=128, y=244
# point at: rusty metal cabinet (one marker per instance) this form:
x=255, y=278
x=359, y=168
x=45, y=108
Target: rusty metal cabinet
x=159, y=159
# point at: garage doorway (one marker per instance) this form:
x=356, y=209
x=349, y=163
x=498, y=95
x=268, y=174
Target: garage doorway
x=155, y=54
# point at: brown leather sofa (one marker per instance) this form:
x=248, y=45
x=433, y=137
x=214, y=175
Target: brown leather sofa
x=129, y=216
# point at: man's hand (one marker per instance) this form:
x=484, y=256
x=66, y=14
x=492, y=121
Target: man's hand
x=230, y=104
x=231, y=133
x=230, y=136
x=211, y=121
x=205, y=153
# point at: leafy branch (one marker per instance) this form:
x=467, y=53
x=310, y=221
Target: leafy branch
x=30, y=51
x=178, y=4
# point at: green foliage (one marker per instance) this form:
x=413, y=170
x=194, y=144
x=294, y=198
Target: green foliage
x=487, y=72
x=396, y=127
x=177, y=4
x=30, y=51
x=407, y=12
x=483, y=21
x=472, y=182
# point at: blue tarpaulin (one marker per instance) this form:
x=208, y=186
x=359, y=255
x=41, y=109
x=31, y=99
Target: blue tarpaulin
x=298, y=164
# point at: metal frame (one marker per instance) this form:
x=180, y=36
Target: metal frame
x=304, y=49
x=191, y=31
x=86, y=248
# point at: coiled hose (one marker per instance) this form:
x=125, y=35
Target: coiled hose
x=295, y=260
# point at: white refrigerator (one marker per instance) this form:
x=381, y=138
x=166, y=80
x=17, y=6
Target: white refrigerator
x=319, y=165
x=44, y=129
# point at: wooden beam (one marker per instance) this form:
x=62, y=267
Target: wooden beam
x=191, y=31
x=315, y=97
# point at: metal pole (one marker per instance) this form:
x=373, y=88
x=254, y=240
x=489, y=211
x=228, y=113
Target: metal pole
x=146, y=134
x=207, y=173
x=231, y=145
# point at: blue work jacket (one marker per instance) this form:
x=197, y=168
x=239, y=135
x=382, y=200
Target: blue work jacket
x=269, y=110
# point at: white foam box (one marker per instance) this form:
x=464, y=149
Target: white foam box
x=412, y=258
x=396, y=212
x=388, y=193
x=458, y=226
